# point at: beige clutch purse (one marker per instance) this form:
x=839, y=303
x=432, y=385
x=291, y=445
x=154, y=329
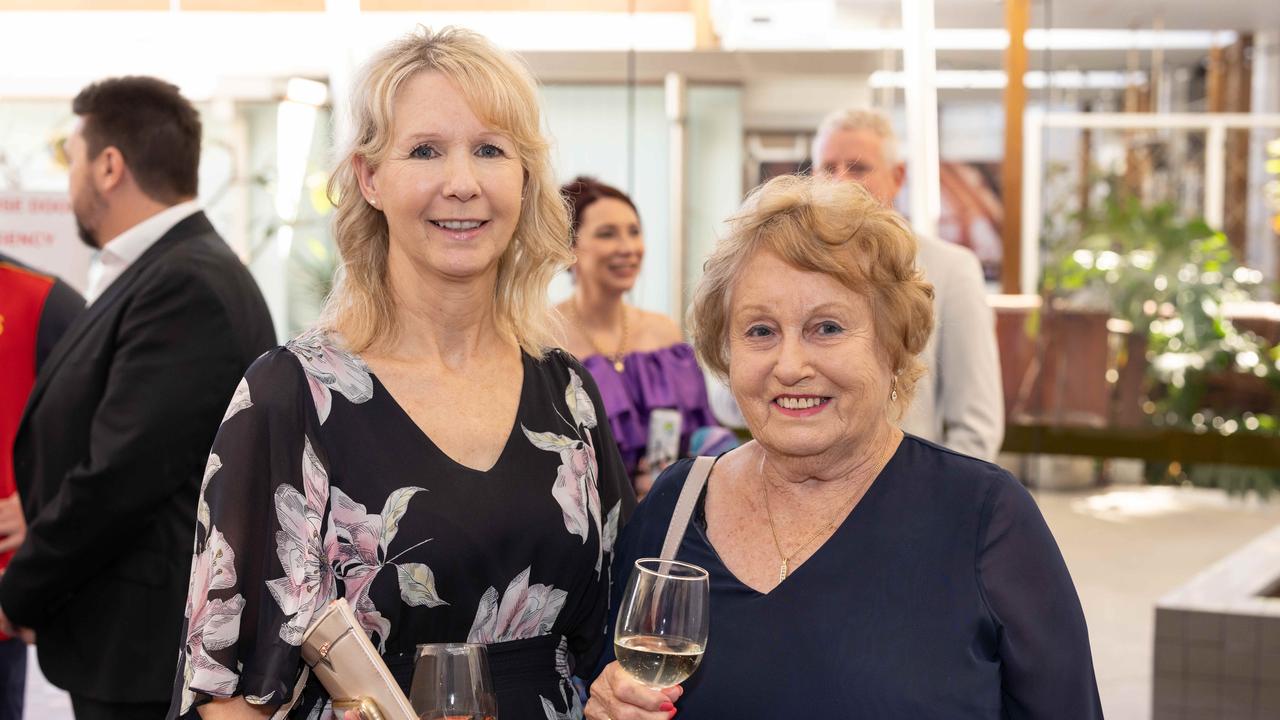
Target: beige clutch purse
x=338, y=651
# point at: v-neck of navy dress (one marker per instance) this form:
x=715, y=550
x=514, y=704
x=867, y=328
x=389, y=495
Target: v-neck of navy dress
x=942, y=595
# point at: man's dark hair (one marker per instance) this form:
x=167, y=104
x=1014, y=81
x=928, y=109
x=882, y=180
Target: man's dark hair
x=154, y=128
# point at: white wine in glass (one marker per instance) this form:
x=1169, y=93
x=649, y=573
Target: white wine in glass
x=661, y=631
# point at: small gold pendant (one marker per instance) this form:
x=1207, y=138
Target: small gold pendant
x=782, y=571
x=617, y=365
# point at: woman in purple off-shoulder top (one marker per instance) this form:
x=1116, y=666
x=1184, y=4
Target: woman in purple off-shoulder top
x=639, y=359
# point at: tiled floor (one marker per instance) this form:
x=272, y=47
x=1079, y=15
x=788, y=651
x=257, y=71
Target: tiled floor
x=1126, y=546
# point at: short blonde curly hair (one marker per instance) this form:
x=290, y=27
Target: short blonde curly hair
x=835, y=228
x=503, y=94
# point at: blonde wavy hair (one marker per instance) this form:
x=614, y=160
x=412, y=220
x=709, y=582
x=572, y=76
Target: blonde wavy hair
x=835, y=228
x=502, y=92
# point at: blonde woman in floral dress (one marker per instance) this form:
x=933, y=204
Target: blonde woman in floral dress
x=423, y=452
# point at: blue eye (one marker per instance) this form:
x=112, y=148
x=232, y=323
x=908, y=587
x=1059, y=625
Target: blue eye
x=757, y=331
x=423, y=152
x=490, y=151
x=829, y=328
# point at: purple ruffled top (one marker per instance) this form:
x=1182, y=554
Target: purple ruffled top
x=665, y=378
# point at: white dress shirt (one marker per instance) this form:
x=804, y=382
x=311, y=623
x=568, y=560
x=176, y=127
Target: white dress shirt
x=124, y=249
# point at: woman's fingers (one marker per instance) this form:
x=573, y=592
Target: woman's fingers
x=642, y=702
x=617, y=696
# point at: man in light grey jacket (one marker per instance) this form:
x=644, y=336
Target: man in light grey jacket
x=959, y=403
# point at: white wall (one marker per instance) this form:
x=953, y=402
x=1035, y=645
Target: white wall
x=714, y=186
x=799, y=102
x=588, y=127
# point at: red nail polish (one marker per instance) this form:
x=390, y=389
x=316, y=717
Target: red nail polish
x=667, y=707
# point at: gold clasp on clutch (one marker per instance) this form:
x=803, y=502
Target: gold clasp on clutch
x=326, y=647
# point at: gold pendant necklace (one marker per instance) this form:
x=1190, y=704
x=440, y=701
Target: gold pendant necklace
x=617, y=357
x=785, y=566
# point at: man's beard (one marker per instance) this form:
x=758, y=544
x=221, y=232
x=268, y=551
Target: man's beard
x=87, y=236
x=97, y=205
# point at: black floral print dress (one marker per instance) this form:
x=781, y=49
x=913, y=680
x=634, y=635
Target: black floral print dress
x=319, y=485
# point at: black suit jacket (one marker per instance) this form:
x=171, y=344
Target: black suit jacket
x=109, y=459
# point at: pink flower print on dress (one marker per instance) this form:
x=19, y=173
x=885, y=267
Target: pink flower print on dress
x=308, y=583
x=328, y=367
x=525, y=611
x=212, y=624
x=357, y=545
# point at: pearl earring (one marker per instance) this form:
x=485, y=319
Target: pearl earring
x=893, y=394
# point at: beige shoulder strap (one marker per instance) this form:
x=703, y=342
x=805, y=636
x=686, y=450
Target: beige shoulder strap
x=689, y=495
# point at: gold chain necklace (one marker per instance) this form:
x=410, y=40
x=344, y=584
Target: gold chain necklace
x=615, y=358
x=830, y=525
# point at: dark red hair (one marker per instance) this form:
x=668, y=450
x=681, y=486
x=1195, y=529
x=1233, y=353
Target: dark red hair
x=583, y=190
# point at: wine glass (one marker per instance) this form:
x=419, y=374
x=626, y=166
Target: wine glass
x=451, y=682
x=661, y=631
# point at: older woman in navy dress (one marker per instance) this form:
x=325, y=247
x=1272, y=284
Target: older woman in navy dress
x=855, y=571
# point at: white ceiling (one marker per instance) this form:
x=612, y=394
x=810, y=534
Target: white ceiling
x=1118, y=14
x=760, y=37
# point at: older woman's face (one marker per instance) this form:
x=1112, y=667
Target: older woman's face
x=450, y=185
x=804, y=363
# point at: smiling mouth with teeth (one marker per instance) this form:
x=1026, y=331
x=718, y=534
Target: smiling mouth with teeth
x=458, y=224
x=800, y=403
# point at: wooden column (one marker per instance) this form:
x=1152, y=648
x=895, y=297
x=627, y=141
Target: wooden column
x=1016, y=18
x=1137, y=163
x=1215, y=82
x=705, y=37
x=1239, y=89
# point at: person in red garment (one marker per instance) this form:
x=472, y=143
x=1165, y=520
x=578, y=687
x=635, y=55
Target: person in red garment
x=35, y=309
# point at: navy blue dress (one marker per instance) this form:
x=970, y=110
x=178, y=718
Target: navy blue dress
x=942, y=595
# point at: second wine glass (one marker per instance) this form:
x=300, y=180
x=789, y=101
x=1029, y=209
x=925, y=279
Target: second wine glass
x=661, y=631
x=451, y=682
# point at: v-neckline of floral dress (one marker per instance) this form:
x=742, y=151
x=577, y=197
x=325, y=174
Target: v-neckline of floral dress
x=320, y=485
x=512, y=435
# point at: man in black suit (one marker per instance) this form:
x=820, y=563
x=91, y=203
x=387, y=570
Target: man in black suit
x=113, y=444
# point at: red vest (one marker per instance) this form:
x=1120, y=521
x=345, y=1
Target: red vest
x=22, y=297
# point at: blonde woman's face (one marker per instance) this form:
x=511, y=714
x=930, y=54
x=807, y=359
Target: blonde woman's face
x=450, y=186
x=804, y=362
x=609, y=246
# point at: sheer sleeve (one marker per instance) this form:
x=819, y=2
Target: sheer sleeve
x=260, y=570
x=617, y=501
x=1046, y=665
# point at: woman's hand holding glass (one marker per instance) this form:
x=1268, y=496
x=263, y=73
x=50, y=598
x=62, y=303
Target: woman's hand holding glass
x=659, y=638
x=615, y=695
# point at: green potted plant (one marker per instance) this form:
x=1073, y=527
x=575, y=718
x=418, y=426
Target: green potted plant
x=1169, y=279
